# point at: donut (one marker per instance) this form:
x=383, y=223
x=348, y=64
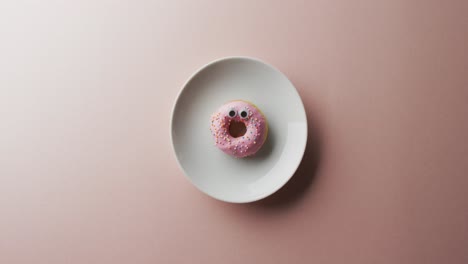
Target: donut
x=239, y=128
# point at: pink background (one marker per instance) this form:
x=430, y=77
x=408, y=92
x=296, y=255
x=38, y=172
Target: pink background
x=87, y=173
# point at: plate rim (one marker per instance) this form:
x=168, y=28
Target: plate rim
x=174, y=106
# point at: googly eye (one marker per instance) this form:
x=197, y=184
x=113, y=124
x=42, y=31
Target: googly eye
x=244, y=114
x=232, y=113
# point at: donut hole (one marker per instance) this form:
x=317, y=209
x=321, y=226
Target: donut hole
x=237, y=129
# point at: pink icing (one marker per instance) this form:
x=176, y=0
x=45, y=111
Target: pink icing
x=255, y=123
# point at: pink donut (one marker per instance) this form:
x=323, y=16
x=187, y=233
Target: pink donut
x=239, y=114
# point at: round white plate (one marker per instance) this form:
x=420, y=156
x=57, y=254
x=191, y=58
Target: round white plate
x=238, y=180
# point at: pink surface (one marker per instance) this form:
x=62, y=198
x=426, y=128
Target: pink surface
x=87, y=174
x=255, y=134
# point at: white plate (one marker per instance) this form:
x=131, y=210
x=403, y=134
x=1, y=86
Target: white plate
x=217, y=174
